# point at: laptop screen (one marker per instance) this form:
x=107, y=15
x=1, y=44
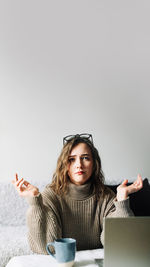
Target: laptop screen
x=127, y=242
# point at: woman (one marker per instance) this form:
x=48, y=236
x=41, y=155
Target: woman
x=76, y=202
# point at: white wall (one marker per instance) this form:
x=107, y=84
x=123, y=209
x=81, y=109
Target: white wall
x=73, y=66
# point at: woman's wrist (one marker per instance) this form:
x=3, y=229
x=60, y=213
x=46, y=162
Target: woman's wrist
x=35, y=200
x=121, y=196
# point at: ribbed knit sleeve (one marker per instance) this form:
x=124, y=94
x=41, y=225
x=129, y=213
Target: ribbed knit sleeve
x=43, y=222
x=113, y=208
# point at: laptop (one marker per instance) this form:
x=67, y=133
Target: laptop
x=127, y=242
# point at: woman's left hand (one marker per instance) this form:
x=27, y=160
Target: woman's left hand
x=123, y=190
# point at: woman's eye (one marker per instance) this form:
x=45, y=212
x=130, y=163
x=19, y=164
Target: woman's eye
x=85, y=157
x=71, y=159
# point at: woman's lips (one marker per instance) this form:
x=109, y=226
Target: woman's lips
x=79, y=173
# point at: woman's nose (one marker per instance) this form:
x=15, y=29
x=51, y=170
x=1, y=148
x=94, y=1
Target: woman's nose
x=78, y=163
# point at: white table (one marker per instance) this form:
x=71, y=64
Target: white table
x=85, y=258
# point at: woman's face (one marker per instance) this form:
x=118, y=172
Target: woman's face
x=80, y=166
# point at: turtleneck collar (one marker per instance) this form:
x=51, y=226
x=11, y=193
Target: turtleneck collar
x=80, y=192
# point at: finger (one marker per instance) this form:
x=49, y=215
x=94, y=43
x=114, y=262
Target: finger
x=140, y=178
x=26, y=183
x=125, y=182
x=21, y=185
x=16, y=177
x=139, y=181
x=19, y=181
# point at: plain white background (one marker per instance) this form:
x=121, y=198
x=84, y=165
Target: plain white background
x=74, y=66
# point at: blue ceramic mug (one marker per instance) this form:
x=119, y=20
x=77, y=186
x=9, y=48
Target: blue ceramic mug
x=65, y=249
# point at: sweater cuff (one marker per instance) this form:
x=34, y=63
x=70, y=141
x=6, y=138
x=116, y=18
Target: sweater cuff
x=35, y=201
x=123, y=205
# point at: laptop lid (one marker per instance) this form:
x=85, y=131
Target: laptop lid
x=127, y=242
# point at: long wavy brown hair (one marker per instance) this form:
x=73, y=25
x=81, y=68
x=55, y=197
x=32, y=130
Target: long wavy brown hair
x=60, y=177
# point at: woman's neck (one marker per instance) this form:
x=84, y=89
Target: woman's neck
x=80, y=192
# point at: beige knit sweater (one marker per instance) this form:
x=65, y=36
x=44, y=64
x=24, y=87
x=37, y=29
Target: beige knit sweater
x=77, y=215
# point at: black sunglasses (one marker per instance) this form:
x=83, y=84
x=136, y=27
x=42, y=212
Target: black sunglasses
x=68, y=138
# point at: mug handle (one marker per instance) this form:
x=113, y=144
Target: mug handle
x=47, y=248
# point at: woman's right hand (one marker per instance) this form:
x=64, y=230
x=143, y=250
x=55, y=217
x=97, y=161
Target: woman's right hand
x=24, y=188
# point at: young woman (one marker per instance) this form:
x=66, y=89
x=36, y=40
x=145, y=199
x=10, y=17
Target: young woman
x=76, y=202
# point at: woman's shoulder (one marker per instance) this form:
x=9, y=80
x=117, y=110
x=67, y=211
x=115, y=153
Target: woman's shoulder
x=49, y=194
x=50, y=198
x=108, y=193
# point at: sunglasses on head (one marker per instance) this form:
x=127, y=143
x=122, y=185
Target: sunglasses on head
x=68, y=138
